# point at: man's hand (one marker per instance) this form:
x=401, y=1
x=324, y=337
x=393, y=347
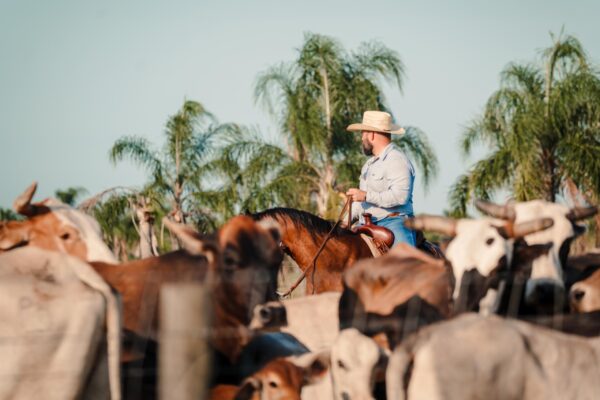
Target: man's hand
x=357, y=194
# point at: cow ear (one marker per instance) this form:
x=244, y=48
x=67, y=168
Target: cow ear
x=248, y=388
x=190, y=239
x=14, y=236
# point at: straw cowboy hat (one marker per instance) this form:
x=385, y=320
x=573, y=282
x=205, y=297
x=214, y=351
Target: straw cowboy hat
x=376, y=121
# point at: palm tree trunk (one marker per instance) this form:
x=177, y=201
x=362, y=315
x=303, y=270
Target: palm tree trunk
x=124, y=256
x=325, y=78
x=145, y=219
x=328, y=177
x=116, y=248
x=325, y=185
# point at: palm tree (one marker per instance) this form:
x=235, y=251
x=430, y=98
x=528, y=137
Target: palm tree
x=318, y=95
x=543, y=131
x=117, y=224
x=177, y=169
x=69, y=195
x=6, y=214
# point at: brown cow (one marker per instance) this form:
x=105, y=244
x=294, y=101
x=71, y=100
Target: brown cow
x=239, y=263
x=280, y=379
x=53, y=225
x=405, y=285
x=585, y=295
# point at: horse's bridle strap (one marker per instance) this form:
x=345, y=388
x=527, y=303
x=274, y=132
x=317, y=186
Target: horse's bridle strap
x=313, y=263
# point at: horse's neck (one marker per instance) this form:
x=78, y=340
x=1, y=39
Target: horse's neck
x=303, y=247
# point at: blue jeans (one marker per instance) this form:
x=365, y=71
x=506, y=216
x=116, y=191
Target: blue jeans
x=401, y=233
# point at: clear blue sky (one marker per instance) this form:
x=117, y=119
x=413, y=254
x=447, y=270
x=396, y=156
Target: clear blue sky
x=77, y=75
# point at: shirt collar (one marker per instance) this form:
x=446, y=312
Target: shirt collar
x=383, y=154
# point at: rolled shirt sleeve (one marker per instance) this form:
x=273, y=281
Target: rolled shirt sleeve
x=399, y=182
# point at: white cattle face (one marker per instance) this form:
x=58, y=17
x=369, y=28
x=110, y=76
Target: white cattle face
x=547, y=270
x=53, y=225
x=546, y=283
x=478, y=246
x=356, y=362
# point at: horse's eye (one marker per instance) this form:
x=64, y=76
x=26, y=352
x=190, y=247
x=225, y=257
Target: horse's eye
x=341, y=364
x=65, y=236
x=273, y=384
x=489, y=241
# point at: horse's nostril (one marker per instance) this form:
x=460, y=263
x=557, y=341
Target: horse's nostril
x=345, y=396
x=577, y=294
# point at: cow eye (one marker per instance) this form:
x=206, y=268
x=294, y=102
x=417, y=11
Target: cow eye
x=489, y=241
x=230, y=259
x=273, y=384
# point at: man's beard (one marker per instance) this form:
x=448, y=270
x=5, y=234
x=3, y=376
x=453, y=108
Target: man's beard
x=367, y=148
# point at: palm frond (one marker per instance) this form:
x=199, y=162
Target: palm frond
x=415, y=143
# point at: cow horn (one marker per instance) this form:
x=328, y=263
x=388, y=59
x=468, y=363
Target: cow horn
x=432, y=223
x=578, y=213
x=525, y=228
x=22, y=204
x=497, y=211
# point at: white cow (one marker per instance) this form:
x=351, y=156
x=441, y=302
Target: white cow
x=313, y=320
x=475, y=357
x=357, y=362
x=53, y=225
x=478, y=249
x=546, y=284
x=60, y=329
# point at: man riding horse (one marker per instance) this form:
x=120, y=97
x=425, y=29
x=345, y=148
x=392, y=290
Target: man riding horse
x=386, y=179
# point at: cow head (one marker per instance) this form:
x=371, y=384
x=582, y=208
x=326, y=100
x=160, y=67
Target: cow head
x=479, y=251
x=357, y=363
x=283, y=379
x=546, y=284
x=243, y=273
x=53, y=225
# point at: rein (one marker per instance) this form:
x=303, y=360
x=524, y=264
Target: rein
x=313, y=263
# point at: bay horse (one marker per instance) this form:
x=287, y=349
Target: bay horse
x=302, y=233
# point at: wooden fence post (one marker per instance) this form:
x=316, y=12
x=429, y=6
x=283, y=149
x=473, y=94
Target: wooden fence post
x=184, y=355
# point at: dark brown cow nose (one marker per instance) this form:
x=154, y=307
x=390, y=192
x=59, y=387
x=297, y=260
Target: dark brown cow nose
x=576, y=295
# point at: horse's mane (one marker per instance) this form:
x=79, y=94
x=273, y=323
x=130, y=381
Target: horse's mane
x=314, y=224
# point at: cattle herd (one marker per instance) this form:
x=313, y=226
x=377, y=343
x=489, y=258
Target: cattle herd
x=507, y=313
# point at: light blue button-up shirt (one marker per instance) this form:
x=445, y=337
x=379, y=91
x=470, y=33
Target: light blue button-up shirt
x=388, y=180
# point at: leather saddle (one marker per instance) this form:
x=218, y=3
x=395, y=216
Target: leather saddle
x=384, y=238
